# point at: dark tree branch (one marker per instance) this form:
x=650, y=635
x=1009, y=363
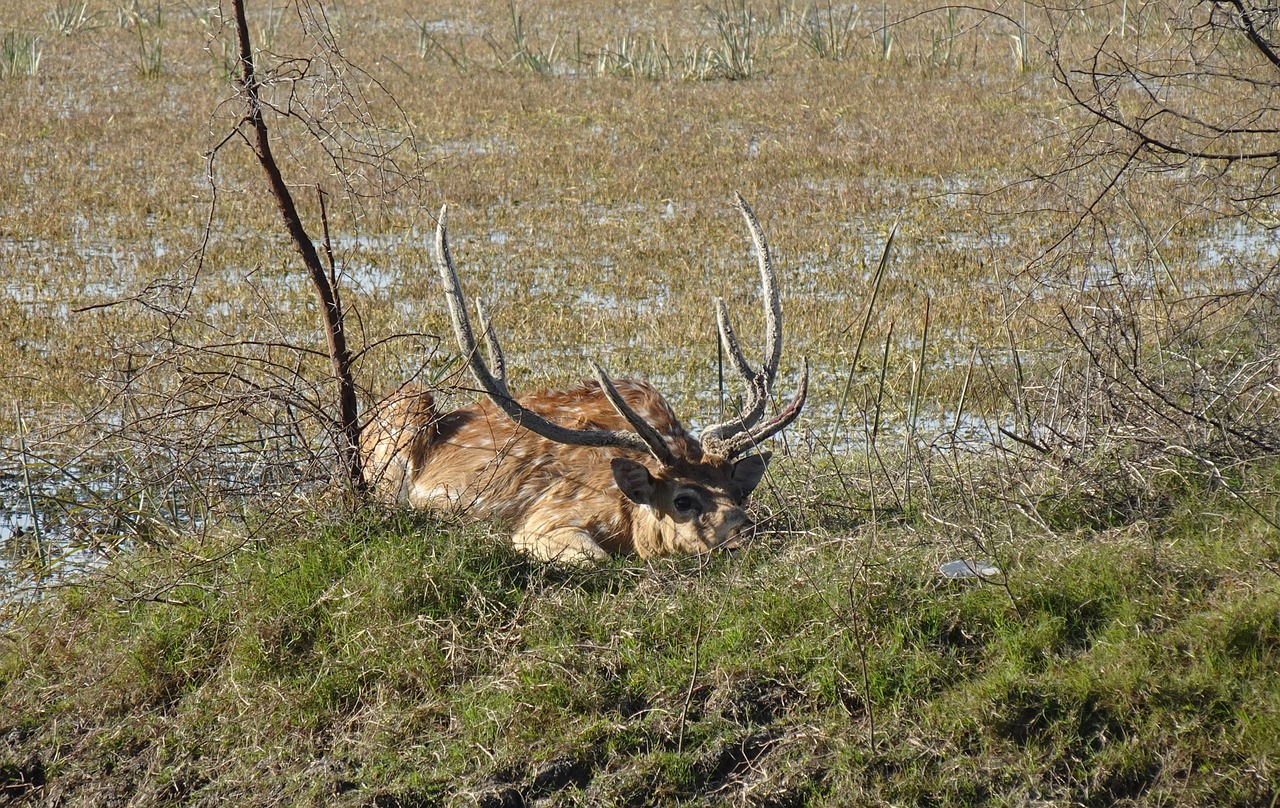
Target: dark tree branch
x=331, y=317
x=1244, y=18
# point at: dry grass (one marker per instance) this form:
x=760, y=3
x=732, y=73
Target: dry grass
x=594, y=210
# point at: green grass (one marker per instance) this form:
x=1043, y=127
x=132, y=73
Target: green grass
x=390, y=658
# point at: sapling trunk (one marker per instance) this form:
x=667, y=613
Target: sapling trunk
x=331, y=316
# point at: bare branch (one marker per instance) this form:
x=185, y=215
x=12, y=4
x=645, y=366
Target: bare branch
x=330, y=307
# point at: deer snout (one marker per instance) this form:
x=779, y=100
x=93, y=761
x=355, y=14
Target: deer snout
x=733, y=528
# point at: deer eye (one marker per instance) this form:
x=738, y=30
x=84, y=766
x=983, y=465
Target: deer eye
x=687, y=503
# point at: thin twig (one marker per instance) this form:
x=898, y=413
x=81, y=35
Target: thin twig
x=693, y=679
x=30, y=493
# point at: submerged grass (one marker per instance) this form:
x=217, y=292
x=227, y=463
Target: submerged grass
x=388, y=659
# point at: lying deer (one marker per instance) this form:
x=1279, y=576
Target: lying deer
x=602, y=468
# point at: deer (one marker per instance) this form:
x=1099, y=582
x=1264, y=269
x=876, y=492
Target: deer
x=601, y=469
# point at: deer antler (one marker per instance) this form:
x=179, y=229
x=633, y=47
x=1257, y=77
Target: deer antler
x=733, y=437
x=644, y=439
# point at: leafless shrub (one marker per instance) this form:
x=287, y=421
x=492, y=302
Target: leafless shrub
x=225, y=388
x=1170, y=109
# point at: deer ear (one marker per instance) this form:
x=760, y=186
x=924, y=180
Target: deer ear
x=748, y=472
x=633, y=480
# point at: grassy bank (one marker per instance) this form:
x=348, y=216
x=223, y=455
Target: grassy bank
x=390, y=660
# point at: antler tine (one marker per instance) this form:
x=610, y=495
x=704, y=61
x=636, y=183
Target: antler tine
x=730, y=341
x=757, y=392
x=656, y=443
x=759, y=385
x=769, y=291
x=458, y=314
x=746, y=440
x=495, y=385
x=497, y=362
x=453, y=292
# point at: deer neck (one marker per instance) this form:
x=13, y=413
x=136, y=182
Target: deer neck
x=647, y=530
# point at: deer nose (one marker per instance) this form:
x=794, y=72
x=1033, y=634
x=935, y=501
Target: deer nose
x=736, y=525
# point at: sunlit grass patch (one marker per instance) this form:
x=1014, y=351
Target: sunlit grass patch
x=400, y=657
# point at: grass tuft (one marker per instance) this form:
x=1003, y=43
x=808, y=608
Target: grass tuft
x=20, y=54
x=70, y=17
x=738, y=50
x=830, y=32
